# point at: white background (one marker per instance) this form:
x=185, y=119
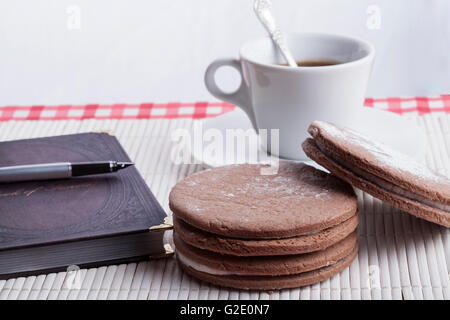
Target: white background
x=76, y=52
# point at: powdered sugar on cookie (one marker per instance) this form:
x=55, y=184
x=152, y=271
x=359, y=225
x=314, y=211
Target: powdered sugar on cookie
x=380, y=154
x=299, y=199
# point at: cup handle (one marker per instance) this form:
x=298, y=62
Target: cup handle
x=241, y=97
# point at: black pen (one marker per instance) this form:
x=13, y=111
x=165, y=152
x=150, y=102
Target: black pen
x=60, y=170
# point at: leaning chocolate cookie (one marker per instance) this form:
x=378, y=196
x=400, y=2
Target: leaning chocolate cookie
x=380, y=171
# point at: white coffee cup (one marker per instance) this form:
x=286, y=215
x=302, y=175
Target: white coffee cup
x=289, y=99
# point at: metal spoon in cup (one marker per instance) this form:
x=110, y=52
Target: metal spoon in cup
x=263, y=10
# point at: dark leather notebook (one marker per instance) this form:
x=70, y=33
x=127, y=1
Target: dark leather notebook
x=84, y=221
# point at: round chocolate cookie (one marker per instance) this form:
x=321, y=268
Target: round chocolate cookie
x=380, y=171
x=265, y=247
x=218, y=264
x=239, y=201
x=272, y=282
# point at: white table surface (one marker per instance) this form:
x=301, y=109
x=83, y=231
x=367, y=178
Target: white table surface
x=400, y=257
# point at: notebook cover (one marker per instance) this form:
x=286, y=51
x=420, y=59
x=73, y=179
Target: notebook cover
x=46, y=212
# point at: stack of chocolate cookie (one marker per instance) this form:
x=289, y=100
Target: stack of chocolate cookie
x=237, y=227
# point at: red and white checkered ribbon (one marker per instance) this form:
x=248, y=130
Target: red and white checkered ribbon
x=115, y=111
x=198, y=110
x=420, y=105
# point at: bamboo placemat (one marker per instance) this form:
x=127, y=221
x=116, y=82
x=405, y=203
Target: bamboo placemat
x=400, y=257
